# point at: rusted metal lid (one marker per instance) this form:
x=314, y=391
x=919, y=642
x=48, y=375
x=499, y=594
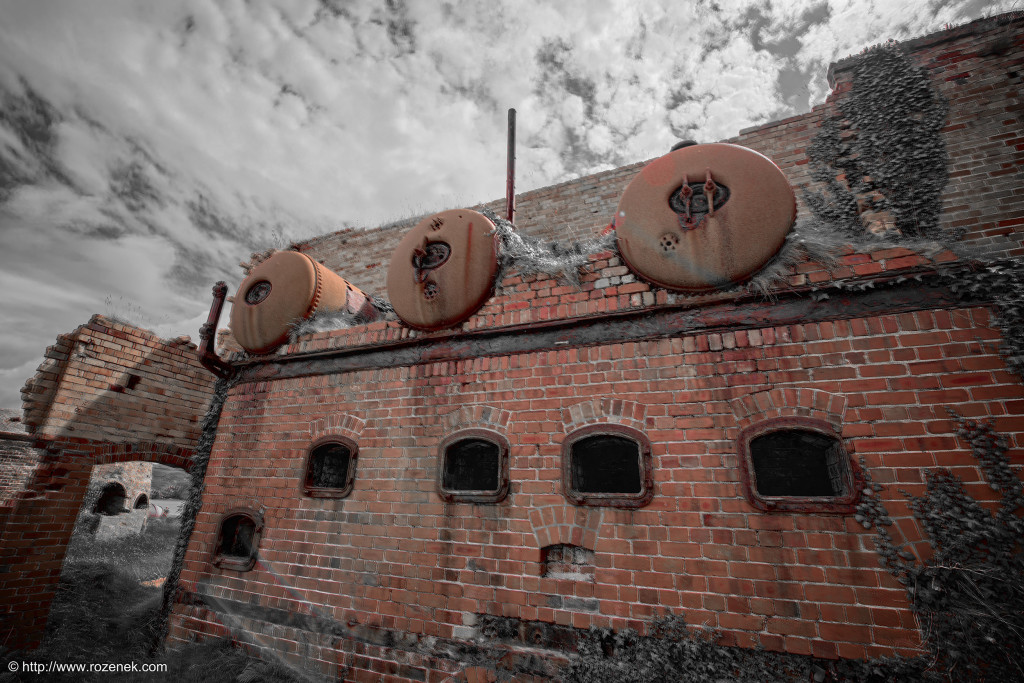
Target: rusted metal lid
x=443, y=270
x=704, y=217
x=287, y=287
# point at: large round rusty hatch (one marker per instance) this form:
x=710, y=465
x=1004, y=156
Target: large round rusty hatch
x=288, y=287
x=443, y=270
x=704, y=217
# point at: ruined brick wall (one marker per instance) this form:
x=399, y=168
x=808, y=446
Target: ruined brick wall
x=979, y=69
x=395, y=579
x=17, y=456
x=17, y=461
x=105, y=393
x=112, y=382
x=136, y=479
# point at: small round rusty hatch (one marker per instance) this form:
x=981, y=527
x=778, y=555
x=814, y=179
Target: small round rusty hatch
x=258, y=292
x=287, y=287
x=704, y=217
x=443, y=270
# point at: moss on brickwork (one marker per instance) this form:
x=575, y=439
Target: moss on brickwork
x=193, y=502
x=882, y=158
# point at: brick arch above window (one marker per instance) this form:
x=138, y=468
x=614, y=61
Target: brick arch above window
x=480, y=416
x=566, y=524
x=605, y=411
x=344, y=425
x=814, y=404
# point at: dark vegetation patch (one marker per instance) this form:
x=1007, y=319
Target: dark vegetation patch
x=882, y=157
x=967, y=596
x=103, y=613
x=671, y=651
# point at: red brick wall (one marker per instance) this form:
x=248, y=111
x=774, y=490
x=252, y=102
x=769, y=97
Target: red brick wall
x=394, y=556
x=17, y=457
x=17, y=461
x=392, y=576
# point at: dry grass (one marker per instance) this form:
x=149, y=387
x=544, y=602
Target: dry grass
x=103, y=613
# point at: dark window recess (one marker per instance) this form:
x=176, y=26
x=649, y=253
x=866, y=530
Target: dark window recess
x=237, y=534
x=329, y=466
x=142, y=502
x=797, y=462
x=472, y=465
x=111, y=500
x=606, y=464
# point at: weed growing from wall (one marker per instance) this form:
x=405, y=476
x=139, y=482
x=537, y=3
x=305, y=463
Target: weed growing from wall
x=968, y=596
x=193, y=502
x=531, y=256
x=882, y=158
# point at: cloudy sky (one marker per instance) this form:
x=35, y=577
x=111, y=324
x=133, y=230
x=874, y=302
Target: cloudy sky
x=147, y=147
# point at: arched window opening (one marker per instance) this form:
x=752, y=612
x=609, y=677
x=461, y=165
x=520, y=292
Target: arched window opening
x=330, y=468
x=796, y=464
x=474, y=467
x=142, y=502
x=111, y=500
x=607, y=465
x=237, y=541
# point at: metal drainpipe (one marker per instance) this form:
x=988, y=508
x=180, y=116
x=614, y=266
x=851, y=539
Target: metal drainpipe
x=510, y=173
x=207, y=336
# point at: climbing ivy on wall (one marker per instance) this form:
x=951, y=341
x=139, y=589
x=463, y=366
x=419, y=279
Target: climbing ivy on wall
x=1002, y=283
x=883, y=152
x=197, y=474
x=968, y=596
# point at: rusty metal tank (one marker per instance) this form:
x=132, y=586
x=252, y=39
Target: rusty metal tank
x=443, y=270
x=286, y=288
x=704, y=217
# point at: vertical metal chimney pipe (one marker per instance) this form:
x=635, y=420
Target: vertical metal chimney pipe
x=208, y=333
x=510, y=174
